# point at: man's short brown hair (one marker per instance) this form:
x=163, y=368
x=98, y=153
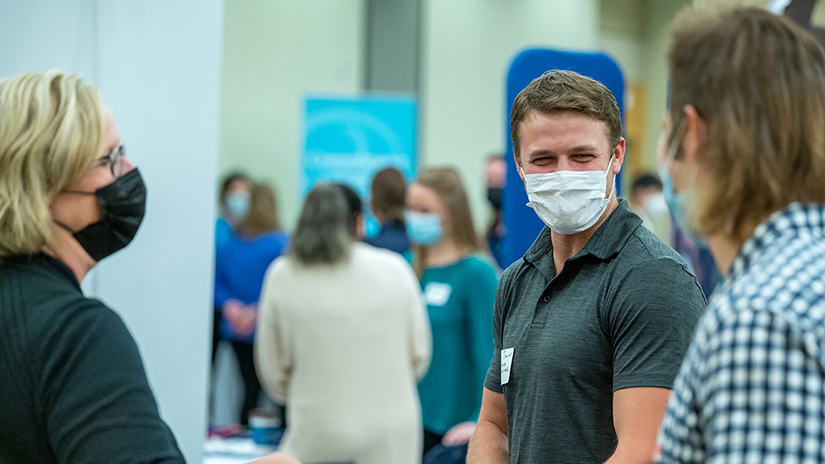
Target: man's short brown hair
x=557, y=91
x=757, y=81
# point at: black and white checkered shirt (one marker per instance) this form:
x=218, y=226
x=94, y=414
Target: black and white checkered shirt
x=752, y=386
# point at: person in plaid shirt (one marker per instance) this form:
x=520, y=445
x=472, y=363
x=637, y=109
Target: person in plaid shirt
x=745, y=155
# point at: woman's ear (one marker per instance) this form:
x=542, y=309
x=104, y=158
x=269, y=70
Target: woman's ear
x=695, y=134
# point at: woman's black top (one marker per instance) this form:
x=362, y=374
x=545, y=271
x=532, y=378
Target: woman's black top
x=72, y=384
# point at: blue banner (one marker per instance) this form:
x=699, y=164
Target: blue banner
x=349, y=139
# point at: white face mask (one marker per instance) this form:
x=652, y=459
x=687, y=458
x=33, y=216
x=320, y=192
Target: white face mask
x=655, y=205
x=569, y=202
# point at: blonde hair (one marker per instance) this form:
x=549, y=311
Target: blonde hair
x=757, y=81
x=51, y=131
x=263, y=213
x=447, y=184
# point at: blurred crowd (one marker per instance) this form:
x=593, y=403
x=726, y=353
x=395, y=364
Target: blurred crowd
x=685, y=323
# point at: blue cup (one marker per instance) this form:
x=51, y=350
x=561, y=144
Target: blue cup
x=265, y=426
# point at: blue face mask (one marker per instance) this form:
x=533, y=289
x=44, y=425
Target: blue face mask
x=423, y=228
x=238, y=205
x=678, y=203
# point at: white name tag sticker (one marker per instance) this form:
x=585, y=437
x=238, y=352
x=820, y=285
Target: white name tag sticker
x=437, y=293
x=506, y=364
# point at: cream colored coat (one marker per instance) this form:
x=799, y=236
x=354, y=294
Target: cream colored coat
x=343, y=347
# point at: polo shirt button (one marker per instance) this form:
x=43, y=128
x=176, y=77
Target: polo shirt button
x=546, y=299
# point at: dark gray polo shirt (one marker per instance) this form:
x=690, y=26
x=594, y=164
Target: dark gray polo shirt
x=620, y=314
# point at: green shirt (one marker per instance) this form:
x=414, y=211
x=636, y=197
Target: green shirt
x=620, y=314
x=460, y=299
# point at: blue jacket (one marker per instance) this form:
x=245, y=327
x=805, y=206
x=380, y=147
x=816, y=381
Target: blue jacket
x=393, y=236
x=240, y=266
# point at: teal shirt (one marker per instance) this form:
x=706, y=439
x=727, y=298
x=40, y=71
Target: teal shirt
x=460, y=299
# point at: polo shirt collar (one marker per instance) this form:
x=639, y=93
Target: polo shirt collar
x=794, y=219
x=606, y=242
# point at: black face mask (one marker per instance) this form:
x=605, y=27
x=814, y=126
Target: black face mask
x=494, y=196
x=122, y=205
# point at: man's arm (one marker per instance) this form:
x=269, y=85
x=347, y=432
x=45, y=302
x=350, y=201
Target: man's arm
x=650, y=331
x=637, y=414
x=489, y=443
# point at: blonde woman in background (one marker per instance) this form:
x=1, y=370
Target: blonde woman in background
x=342, y=340
x=240, y=266
x=73, y=385
x=459, y=285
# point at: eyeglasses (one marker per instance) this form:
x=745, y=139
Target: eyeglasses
x=114, y=160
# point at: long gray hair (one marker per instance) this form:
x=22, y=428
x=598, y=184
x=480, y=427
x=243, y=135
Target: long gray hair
x=322, y=235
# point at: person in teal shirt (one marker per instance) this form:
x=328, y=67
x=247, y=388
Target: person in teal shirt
x=459, y=286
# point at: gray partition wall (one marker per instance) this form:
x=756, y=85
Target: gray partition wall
x=392, y=43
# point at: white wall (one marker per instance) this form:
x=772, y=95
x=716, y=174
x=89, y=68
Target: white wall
x=275, y=52
x=38, y=36
x=466, y=52
x=157, y=63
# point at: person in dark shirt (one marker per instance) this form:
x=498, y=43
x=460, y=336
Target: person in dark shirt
x=495, y=178
x=388, y=192
x=72, y=384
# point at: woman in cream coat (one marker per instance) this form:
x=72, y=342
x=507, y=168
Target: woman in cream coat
x=343, y=338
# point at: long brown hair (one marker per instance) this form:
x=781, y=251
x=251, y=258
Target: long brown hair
x=447, y=184
x=263, y=213
x=757, y=80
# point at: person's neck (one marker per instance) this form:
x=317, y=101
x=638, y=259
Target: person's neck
x=567, y=246
x=443, y=252
x=726, y=249
x=66, y=249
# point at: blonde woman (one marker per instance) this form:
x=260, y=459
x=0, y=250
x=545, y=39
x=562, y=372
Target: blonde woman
x=459, y=286
x=342, y=339
x=240, y=266
x=74, y=387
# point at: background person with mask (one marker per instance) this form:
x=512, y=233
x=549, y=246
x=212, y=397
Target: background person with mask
x=73, y=385
x=234, y=200
x=459, y=285
x=590, y=325
x=495, y=178
x=342, y=339
x=648, y=201
x=240, y=266
x=745, y=148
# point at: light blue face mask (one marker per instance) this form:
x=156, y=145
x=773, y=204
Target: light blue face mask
x=238, y=205
x=423, y=228
x=678, y=203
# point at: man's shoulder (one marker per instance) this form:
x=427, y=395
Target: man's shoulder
x=643, y=247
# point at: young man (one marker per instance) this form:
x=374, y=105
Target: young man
x=746, y=152
x=591, y=325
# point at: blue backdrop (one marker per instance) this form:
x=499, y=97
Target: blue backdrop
x=349, y=139
x=523, y=226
